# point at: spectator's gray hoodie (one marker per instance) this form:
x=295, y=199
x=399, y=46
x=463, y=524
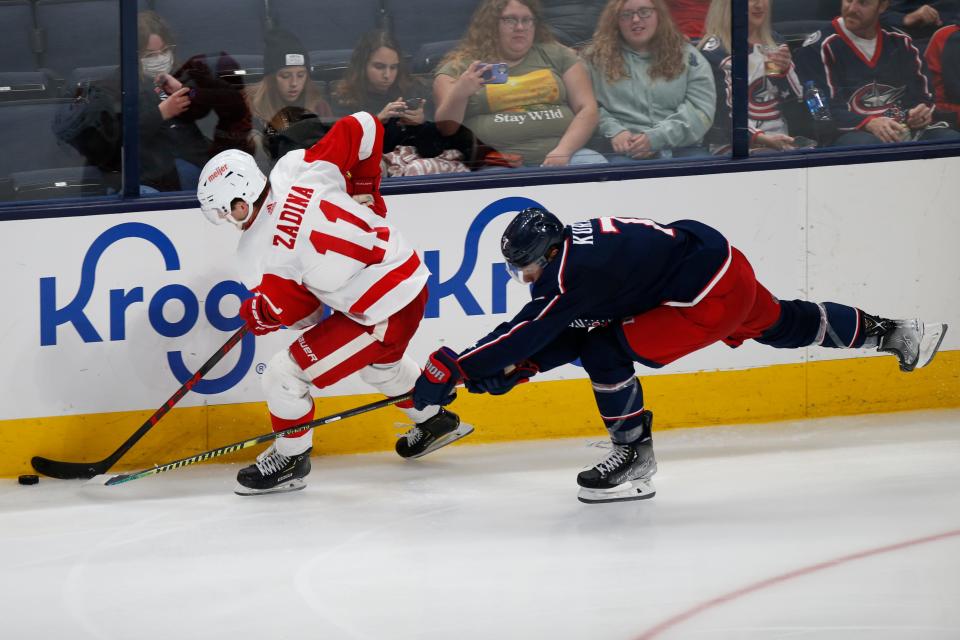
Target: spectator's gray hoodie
x=673, y=113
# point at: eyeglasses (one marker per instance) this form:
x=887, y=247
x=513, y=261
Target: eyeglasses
x=513, y=22
x=643, y=13
x=149, y=55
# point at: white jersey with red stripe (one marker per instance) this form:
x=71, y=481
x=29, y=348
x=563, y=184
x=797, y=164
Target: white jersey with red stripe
x=311, y=237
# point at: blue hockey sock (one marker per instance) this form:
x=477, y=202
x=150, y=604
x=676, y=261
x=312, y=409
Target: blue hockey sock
x=829, y=324
x=621, y=408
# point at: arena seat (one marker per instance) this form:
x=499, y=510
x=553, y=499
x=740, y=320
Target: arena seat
x=26, y=85
x=212, y=26
x=16, y=25
x=447, y=21
x=790, y=10
x=79, y=33
x=29, y=141
x=428, y=56
x=66, y=182
x=338, y=26
x=795, y=32
x=329, y=64
x=84, y=75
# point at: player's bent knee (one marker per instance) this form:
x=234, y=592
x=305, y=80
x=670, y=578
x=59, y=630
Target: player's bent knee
x=285, y=386
x=392, y=379
x=604, y=359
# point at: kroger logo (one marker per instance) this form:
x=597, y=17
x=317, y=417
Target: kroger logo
x=73, y=312
x=456, y=285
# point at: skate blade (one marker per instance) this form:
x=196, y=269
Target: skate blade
x=933, y=335
x=632, y=490
x=291, y=485
x=462, y=431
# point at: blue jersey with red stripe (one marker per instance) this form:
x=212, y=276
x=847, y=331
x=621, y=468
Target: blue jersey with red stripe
x=608, y=269
x=888, y=84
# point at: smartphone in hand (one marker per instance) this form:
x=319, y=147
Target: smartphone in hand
x=412, y=104
x=495, y=73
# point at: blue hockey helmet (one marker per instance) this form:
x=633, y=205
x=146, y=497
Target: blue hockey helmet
x=529, y=238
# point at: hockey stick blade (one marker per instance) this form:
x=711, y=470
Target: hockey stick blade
x=74, y=470
x=252, y=442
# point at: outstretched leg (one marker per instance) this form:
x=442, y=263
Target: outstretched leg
x=828, y=324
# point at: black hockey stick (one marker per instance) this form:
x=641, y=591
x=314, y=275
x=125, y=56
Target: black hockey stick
x=244, y=444
x=73, y=470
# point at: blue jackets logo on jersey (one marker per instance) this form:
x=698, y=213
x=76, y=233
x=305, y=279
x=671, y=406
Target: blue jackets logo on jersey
x=73, y=313
x=874, y=98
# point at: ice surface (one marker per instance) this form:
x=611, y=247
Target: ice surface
x=838, y=528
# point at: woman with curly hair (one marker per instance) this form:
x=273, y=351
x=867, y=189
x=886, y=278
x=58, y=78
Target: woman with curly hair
x=543, y=114
x=656, y=92
x=377, y=81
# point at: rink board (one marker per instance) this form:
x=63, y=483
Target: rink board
x=115, y=311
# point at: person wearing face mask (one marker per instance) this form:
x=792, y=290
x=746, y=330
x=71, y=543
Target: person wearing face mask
x=377, y=81
x=286, y=105
x=172, y=148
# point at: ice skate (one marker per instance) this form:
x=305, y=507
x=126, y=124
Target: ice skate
x=273, y=472
x=624, y=474
x=430, y=435
x=913, y=342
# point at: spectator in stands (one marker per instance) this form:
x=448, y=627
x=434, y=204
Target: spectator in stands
x=656, y=91
x=919, y=19
x=287, y=105
x=543, y=115
x=378, y=81
x=210, y=92
x=771, y=76
x=172, y=148
x=572, y=21
x=878, y=90
x=689, y=16
x=943, y=60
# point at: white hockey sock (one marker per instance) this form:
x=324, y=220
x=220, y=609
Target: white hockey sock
x=295, y=446
x=422, y=415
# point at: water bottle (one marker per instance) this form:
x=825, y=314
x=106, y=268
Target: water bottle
x=818, y=105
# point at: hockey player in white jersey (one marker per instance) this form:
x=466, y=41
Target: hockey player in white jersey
x=308, y=242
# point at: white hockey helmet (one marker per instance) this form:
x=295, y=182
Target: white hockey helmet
x=229, y=175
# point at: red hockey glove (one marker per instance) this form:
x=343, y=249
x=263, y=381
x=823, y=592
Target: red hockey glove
x=256, y=313
x=437, y=384
x=504, y=381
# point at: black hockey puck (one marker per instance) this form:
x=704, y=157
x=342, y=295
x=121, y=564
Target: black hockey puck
x=28, y=479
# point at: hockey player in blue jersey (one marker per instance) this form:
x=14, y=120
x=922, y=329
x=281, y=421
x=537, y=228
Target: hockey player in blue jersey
x=878, y=88
x=614, y=291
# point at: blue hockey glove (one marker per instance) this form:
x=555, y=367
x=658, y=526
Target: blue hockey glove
x=437, y=384
x=503, y=382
